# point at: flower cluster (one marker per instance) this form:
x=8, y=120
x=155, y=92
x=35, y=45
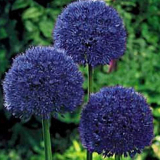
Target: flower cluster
x=117, y=121
x=45, y=81
x=91, y=32
x=42, y=81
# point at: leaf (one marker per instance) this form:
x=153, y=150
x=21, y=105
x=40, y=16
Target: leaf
x=32, y=13
x=76, y=146
x=156, y=149
x=46, y=27
x=30, y=26
x=157, y=138
x=3, y=60
x=3, y=21
x=18, y=4
x=3, y=33
x=156, y=112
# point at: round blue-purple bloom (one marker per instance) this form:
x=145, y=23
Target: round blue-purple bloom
x=91, y=32
x=41, y=82
x=117, y=121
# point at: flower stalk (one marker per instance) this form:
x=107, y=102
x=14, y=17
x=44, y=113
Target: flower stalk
x=117, y=157
x=90, y=89
x=47, y=139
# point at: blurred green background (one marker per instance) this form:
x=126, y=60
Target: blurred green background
x=25, y=23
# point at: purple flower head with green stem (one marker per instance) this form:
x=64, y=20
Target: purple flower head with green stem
x=116, y=121
x=91, y=32
x=42, y=81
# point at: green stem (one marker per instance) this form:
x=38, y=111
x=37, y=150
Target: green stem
x=89, y=156
x=90, y=82
x=47, y=139
x=117, y=157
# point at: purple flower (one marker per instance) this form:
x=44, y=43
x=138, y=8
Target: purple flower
x=41, y=82
x=117, y=121
x=91, y=32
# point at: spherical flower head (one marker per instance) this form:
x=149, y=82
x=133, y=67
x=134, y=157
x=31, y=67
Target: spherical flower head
x=42, y=81
x=91, y=32
x=117, y=121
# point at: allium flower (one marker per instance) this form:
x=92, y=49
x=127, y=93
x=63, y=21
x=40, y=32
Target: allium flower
x=41, y=82
x=117, y=121
x=91, y=32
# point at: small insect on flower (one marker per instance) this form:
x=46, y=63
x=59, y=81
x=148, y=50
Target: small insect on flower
x=91, y=32
x=42, y=81
x=116, y=121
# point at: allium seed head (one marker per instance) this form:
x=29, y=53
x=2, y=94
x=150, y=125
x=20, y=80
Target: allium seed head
x=91, y=32
x=42, y=81
x=117, y=121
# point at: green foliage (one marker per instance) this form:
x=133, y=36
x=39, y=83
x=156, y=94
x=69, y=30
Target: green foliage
x=30, y=22
x=74, y=152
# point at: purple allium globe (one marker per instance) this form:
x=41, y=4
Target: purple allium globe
x=41, y=82
x=91, y=32
x=117, y=121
